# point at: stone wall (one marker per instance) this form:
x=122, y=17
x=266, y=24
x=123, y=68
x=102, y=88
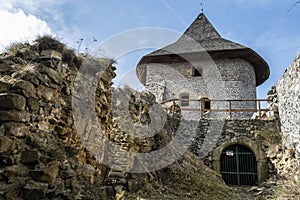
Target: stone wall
x=57, y=118
x=41, y=154
x=258, y=134
x=230, y=79
x=286, y=99
x=284, y=106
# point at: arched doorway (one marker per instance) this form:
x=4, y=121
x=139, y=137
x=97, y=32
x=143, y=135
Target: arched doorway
x=238, y=166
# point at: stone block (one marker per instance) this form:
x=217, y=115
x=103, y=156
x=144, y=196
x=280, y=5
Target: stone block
x=12, y=101
x=51, y=73
x=50, y=54
x=26, y=86
x=51, y=59
x=4, y=87
x=4, y=67
x=34, y=190
x=6, y=144
x=29, y=157
x=47, y=174
x=61, y=130
x=33, y=194
x=15, y=171
x=33, y=105
x=46, y=93
x=15, y=129
x=14, y=116
x=32, y=78
x=5, y=161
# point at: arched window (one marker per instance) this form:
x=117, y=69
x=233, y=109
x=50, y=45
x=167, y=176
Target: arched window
x=205, y=103
x=238, y=166
x=184, y=99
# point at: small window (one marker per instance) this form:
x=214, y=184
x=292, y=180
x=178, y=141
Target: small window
x=184, y=99
x=205, y=103
x=193, y=72
x=197, y=72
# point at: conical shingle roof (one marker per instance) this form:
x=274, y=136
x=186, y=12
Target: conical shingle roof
x=201, y=36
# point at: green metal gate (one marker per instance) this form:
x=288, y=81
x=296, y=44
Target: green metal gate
x=238, y=166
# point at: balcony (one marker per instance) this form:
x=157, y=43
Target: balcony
x=204, y=106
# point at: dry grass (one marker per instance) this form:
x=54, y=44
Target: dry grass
x=287, y=190
x=48, y=42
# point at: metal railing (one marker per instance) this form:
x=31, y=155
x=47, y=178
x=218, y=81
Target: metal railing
x=230, y=110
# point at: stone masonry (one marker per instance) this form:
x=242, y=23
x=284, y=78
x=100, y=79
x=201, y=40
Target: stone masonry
x=41, y=154
x=258, y=134
x=286, y=103
x=174, y=80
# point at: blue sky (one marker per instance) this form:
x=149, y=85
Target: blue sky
x=266, y=26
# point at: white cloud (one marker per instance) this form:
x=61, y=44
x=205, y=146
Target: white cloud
x=49, y=10
x=31, y=6
x=52, y=12
x=17, y=26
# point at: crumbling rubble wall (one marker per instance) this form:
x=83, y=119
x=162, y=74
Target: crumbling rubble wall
x=42, y=156
x=287, y=93
x=284, y=104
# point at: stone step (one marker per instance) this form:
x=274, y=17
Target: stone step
x=117, y=174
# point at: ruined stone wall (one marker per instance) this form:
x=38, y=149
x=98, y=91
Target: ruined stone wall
x=230, y=79
x=287, y=100
x=57, y=116
x=284, y=105
x=41, y=154
x=65, y=133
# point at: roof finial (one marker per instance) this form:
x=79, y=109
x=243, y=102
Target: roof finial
x=201, y=4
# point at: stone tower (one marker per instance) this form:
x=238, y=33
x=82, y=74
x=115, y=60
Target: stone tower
x=203, y=65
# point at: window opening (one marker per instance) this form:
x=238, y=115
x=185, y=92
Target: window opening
x=184, y=99
x=197, y=73
x=205, y=103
